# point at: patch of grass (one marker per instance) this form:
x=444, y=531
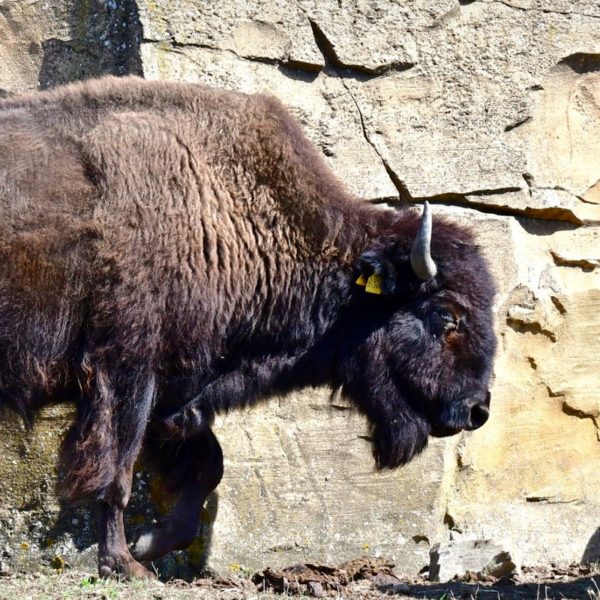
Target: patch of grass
x=72, y=585
x=76, y=585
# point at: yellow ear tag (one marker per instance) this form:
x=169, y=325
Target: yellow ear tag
x=374, y=284
x=361, y=281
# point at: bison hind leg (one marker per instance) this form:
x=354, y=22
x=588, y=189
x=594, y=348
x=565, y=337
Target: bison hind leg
x=191, y=469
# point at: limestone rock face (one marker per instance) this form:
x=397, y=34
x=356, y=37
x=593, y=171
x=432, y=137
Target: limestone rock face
x=24, y=28
x=276, y=30
x=300, y=482
x=491, y=111
x=479, y=557
x=47, y=43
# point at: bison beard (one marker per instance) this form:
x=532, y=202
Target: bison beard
x=172, y=251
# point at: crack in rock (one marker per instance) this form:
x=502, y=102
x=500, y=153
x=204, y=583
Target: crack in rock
x=585, y=264
x=572, y=411
x=579, y=413
x=532, y=362
x=403, y=193
x=560, y=307
x=331, y=56
x=469, y=200
x=522, y=326
x=522, y=121
x=582, y=414
x=541, y=10
x=550, y=500
x=332, y=60
x=287, y=62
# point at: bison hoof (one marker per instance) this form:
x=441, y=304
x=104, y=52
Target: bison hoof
x=122, y=568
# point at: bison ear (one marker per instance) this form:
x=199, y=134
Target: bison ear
x=378, y=272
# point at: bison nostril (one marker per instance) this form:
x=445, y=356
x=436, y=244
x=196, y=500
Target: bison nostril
x=478, y=416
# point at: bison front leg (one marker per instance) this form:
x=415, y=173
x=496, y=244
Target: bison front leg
x=113, y=555
x=100, y=452
x=134, y=396
x=192, y=469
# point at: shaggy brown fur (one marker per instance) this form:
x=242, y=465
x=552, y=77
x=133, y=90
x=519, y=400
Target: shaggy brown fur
x=170, y=247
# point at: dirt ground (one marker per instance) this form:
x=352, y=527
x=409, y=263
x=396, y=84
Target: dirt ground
x=368, y=579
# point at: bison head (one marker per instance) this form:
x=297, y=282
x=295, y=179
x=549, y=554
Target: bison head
x=419, y=343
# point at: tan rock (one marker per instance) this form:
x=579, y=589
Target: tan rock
x=49, y=43
x=275, y=30
x=24, y=26
x=564, y=135
x=367, y=36
x=574, y=7
x=300, y=486
x=321, y=103
x=537, y=459
x=450, y=126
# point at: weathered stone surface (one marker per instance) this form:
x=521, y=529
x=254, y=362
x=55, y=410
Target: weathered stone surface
x=321, y=103
x=563, y=137
x=103, y=39
x=273, y=30
x=537, y=461
x=450, y=125
x=48, y=43
x=368, y=36
x=23, y=29
x=300, y=486
x=481, y=558
x=587, y=8
x=34, y=529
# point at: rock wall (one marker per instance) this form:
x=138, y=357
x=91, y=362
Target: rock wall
x=489, y=109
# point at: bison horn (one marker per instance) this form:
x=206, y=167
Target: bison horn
x=420, y=254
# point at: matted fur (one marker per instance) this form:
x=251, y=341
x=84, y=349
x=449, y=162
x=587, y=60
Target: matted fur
x=169, y=246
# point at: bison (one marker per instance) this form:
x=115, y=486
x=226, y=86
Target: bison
x=171, y=251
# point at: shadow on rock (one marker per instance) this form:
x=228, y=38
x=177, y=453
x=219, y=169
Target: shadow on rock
x=592, y=550
x=583, y=587
x=72, y=536
x=192, y=562
x=105, y=40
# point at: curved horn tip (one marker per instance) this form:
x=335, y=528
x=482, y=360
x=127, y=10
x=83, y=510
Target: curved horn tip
x=420, y=255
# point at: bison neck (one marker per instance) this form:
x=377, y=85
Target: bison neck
x=290, y=331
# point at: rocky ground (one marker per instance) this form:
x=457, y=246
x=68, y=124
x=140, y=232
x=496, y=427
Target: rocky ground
x=368, y=579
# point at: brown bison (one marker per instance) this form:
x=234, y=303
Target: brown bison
x=171, y=251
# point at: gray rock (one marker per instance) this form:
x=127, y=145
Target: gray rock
x=5, y=569
x=315, y=589
x=480, y=557
x=272, y=30
x=389, y=584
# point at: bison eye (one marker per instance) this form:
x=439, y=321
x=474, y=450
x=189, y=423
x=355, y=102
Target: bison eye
x=449, y=321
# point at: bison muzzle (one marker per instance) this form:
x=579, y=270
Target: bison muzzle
x=171, y=251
